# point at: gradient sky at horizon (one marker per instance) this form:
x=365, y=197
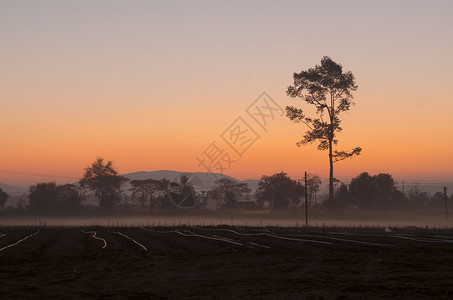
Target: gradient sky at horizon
x=150, y=84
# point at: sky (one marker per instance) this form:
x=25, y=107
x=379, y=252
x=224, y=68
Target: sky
x=152, y=85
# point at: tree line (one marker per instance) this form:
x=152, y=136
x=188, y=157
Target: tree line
x=277, y=191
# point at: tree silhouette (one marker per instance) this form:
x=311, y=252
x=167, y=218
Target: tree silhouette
x=227, y=192
x=181, y=194
x=418, y=197
x=378, y=191
x=103, y=179
x=47, y=197
x=343, y=197
x=437, y=199
x=313, y=184
x=43, y=197
x=69, y=197
x=328, y=89
x=149, y=190
x=3, y=197
x=185, y=187
x=279, y=191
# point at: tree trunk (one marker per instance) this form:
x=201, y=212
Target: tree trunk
x=331, y=135
x=331, y=192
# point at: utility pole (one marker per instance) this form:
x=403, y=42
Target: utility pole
x=306, y=200
x=446, y=204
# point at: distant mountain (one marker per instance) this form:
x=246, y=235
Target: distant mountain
x=13, y=190
x=205, y=181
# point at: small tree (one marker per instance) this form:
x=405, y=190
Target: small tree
x=329, y=90
x=149, y=190
x=185, y=187
x=140, y=192
x=364, y=190
x=378, y=191
x=313, y=185
x=181, y=194
x=69, y=197
x=3, y=197
x=342, y=197
x=417, y=197
x=43, y=197
x=438, y=199
x=227, y=192
x=279, y=191
x=103, y=179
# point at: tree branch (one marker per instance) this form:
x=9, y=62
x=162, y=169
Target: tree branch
x=342, y=155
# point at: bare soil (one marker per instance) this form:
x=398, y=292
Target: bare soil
x=226, y=262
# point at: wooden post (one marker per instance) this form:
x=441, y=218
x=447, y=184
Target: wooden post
x=306, y=201
x=446, y=203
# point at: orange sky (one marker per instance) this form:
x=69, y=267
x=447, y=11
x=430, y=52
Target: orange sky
x=151, y=85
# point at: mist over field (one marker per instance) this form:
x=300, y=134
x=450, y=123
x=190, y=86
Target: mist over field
x=139, y=204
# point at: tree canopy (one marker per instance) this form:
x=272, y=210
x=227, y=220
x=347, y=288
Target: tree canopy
x=69, y=196
x=279, y=191
x=378, y=191
x=103, y=179
x=227, y=192
x=149, y=190
x=43, y=197
x=181, y=194
x=48, y=197
x=313, y=185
